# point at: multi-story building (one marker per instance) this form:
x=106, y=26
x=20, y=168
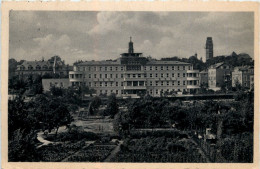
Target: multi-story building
x=209, y=48
x=219, y=75
x=48, y=83
x=53, y=66
x=132, y=74
x=243, y=75
x=204, y=77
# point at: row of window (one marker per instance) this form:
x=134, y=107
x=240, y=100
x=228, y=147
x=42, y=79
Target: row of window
x=151, y=91
x=45, y=67
x=156, y=75
x=117, y=68
x=135, y=83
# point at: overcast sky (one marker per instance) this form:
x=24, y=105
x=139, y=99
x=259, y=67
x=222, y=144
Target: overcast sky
x=105, y=35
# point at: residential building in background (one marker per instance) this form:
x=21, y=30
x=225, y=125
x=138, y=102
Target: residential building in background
x=244, y=76
x=52, y=66
x=204, y=77
x=132, y=74
x=219, y=75
x=209, y=48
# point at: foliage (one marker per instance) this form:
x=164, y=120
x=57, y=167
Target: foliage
x=112, y=106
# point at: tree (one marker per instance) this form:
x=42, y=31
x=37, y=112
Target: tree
x=112, y=107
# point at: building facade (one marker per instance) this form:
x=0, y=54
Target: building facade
x=132, y=75
x=219, y=75
x=209, y=48
x=244, y=76
x=204, y=78
x=53, y=66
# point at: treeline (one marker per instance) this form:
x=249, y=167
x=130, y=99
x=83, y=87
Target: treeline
x=25, y=119
x=234, y=60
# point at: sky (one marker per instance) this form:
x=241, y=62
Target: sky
x=100, y=35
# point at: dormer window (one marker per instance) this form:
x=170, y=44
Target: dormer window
x=38, y=67
x=30, y=67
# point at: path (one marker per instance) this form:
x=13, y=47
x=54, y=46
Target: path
x=201, y=151
x=76, y=152
x=113, y=152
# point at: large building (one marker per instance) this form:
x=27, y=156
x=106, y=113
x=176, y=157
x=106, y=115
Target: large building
x=219, y=75
x=243, y=76
x=132, y=74
x=53, y=66
x=209, y=48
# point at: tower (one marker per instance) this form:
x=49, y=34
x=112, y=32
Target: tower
x=131, y=46
x=209, y=48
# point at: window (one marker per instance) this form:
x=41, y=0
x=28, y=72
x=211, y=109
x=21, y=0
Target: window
x=89, y=84
x=116, y=83
x=111, y=84
x=122, y=75
x=151, y=83
x=122, y=68
x=151, y=91
x=95, y=76
x=116, y=68
x=30, y=67
x=155, y=67
x=167, y=83
x=111, y=91
x=100, y=75
x=38, y=67
x=145, y=75
x=139, y=75
x=105, y=75
x=167, y=75
x=89, y=76
x=89, y=68
x=106, y=84
x=134, y=75
x=122, y=83
x=172, y=67
x=161, y=83
x=178, y=74
x=189, y=67
x=184, y=83
x=161, y=67
x=111, y=75
x=178, y=67
x=100, y=68
x=111, y=68
x=156, y=83
x=156, y=75
x=178, y=83
x=116, y=75
x=100, y=84
x=161, y=74
x=95, y=84
x=100, y=91
x=173, y=75
x=128, y=75
x=105, y=68
x=183, y=74
x=151, y=68
x=116, y=91
x=183, y=67
x=173, y=83
x=151, y=75
x=144, y=67
x=156, y=91
x=167, y=68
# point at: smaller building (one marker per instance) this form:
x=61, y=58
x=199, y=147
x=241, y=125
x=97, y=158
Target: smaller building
x=48, y=83
x=243, y=75
x=204, y=77
x=219, y=76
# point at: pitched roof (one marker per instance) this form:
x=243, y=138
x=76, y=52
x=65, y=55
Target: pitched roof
x=162, y=62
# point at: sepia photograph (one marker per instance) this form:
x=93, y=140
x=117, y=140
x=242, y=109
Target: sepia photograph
x=131, y=86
